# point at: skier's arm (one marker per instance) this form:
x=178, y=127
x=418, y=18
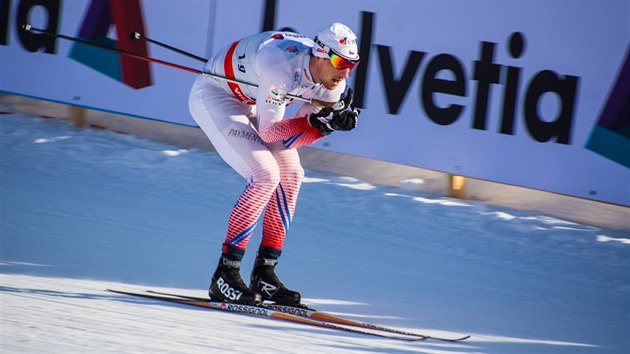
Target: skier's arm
x=274, y=84
x=310, y=123
x=272, y=126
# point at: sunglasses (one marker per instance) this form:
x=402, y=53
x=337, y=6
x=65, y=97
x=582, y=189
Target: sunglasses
x=341, y=63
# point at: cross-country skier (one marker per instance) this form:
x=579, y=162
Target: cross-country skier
x=248, y=129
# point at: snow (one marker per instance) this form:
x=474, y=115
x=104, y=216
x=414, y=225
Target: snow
x=86, y=210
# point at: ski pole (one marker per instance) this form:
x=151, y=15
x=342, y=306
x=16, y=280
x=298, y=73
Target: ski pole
x=136, y=35
x=30, y=28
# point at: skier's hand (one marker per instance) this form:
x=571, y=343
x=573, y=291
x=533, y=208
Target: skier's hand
x=336, y=117
x=345, y=101
x=345, y=120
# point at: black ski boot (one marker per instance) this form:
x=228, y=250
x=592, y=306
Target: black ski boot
x=227, y=284
x=265, y=282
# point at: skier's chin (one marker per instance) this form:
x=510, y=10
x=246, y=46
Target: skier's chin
x=333, y=83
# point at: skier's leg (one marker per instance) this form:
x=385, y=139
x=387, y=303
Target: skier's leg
x=226, y=122
x=277, y=220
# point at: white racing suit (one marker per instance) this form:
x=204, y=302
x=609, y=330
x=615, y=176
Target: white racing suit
x=248, y=129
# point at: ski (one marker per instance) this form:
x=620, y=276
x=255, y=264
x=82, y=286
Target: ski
x=326, y=317
x=261, y=311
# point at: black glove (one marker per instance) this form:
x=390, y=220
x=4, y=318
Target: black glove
x=337, y=117
x=345, y=120
x=345, y=101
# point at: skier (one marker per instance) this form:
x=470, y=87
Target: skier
x=248, y=129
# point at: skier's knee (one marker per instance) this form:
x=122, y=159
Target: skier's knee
x=269, y=178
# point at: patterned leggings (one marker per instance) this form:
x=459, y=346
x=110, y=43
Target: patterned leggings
x=273, y=172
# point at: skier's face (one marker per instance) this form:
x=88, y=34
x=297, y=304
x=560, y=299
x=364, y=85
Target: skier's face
x=328, y=75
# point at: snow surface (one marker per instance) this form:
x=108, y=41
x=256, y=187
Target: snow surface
x=84, y=210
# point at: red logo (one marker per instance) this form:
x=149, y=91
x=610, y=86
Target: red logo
x=125, y=16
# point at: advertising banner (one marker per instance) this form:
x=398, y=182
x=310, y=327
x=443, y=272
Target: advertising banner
x=66, y=71
x=533, y=94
